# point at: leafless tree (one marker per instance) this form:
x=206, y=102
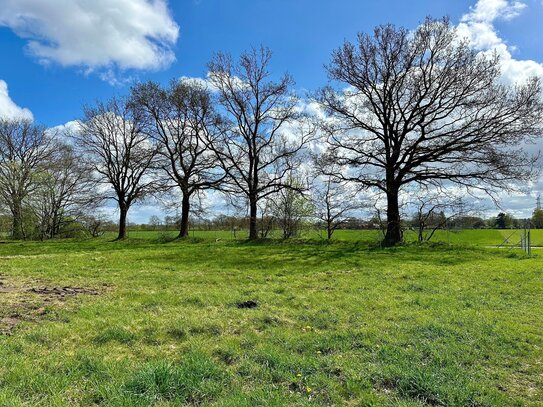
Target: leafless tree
x=64, y=189
x=265, y=207
x=24, y=150
x=334, y=201
x=155, y=222
x=95, y=224
x=423, y=107
x=183, y=121
x=117, y=150
x=434, y=209
x=289, y=207
x=258, y=149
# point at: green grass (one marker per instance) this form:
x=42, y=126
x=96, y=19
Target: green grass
x=478, y=237
x=336, y=324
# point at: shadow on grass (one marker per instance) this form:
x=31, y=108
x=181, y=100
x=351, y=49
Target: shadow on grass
x=312, y=252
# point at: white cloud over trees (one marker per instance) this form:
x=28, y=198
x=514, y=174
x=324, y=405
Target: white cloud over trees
x=98, y=35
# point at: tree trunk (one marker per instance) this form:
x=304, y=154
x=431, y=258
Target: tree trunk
x=253, y=232
x=17, y=227
x=185, y=210
x=17, y=224
x=123, y=211
x=393, y=234
x=329, y=220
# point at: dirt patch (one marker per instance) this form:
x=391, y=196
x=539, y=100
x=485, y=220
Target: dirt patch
x=5, y=290
x=63, y=291
x=22, y=300
x=7, y=324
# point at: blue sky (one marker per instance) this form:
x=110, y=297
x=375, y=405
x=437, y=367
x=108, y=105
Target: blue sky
x=60, y=54
x=302, y=33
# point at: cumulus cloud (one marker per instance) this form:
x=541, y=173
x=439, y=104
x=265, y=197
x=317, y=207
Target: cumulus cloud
x=478, y=25
x=490, y=10
x=97, y=35
x=8, y=108
x=197, y=81
x=66, y=130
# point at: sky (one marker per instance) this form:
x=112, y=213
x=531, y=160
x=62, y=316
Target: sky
x=58, y=55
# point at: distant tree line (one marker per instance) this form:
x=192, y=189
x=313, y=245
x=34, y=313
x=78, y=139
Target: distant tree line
x=411, y=121
x=425, y=225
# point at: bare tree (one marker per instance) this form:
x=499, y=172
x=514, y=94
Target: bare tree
x=95, y=224
x=64, y=189
x=154, y=222
x=334, y=202
x=112, y=137
x=183, y=121
x=434, y=209
x=265, y=207
x=255, y=150
x=423, y=107
x=24, y=149
x=290, y=207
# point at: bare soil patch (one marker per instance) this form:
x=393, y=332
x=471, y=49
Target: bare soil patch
x=63, y=291
x=22, y=300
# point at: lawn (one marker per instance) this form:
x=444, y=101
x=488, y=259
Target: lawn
x=215, y=321
x=478, y=237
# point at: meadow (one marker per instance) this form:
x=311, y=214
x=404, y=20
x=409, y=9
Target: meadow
x=219, y=321
x=505, y=238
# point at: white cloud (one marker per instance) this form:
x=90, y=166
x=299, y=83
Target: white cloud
x=66, y=130
x=208, y=81
x=478, y=26
x=96, y=35
x=8, y=108
x=196, y=81
x=490, y=10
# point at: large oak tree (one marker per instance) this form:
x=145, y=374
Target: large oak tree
x=182, y=123
x=424, y=107
x=112, y=138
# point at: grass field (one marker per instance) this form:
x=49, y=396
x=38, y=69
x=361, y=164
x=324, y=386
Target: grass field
x=477, y=237
x=155, y=322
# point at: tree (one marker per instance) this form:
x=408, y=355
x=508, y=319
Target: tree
x=154, y=222
x=537, y=218
x=24, y=150
x=255, y=149
x=266, y=216
x=94, y=224
x=423, y=107
x=183, y=122
x=64, y=189
x=467, y=222
x=430, y=208
x=289, y=208
x=334, y=202
x=503, y=221
x=118, y=153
